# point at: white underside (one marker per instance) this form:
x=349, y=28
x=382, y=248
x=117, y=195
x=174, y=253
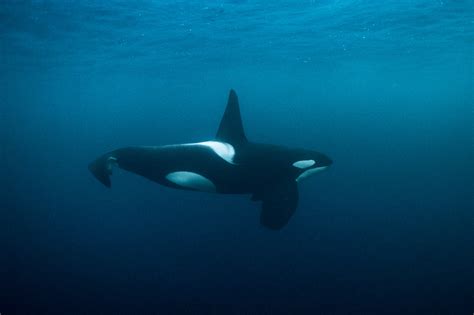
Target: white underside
x=310, y=172
x=191, y=180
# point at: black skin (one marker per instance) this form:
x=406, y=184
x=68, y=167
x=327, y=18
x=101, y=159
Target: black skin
x=265, y=171
x=256, y=165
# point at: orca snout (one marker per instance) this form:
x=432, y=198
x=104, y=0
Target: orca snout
x=324, y=160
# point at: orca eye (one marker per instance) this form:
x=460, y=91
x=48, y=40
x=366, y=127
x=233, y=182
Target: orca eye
x=304, y=164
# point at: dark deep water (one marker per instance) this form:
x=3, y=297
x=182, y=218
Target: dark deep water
x=384, y=88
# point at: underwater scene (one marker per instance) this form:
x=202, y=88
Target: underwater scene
x=237, y=157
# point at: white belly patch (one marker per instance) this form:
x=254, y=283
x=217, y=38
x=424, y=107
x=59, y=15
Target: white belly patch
x=192, y=181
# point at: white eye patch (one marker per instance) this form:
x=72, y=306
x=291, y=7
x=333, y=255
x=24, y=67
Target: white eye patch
x=304, y=163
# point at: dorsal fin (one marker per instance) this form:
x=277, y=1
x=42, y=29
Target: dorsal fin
x=231, y=129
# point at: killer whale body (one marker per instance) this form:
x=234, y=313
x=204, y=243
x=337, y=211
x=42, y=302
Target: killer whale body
x=229, y=164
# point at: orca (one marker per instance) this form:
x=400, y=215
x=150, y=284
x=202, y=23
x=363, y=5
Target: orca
x=227, y=164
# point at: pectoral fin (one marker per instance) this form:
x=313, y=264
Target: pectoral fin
x=279, y=204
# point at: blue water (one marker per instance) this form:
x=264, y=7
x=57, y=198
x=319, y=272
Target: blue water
x=385, y=88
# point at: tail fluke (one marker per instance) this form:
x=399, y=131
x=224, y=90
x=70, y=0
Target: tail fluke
x=102, y=168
